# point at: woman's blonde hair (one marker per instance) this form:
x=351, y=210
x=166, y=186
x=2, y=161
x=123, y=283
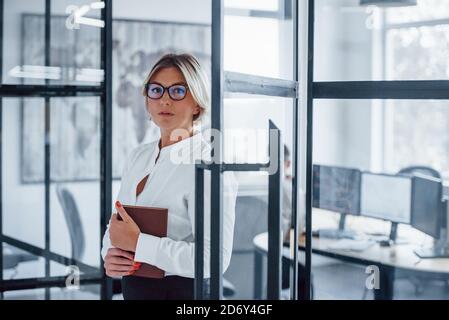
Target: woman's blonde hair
x=195, y=77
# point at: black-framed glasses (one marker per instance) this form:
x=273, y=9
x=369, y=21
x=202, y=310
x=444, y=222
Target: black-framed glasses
x=156, y=91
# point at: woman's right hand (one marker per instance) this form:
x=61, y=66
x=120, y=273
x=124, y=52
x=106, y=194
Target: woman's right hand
x=118, y=263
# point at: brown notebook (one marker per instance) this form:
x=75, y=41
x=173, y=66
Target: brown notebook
x=151, y=220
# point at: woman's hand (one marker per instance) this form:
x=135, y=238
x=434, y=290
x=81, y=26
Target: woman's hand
x=123, y=233
x=119, y=263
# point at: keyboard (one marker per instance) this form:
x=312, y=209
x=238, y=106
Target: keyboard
x=351, y=245
x=334, y=234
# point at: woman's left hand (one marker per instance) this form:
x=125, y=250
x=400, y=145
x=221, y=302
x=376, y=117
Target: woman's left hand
x=123, y=233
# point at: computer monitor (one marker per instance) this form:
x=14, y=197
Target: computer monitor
x=336, y=189
x=427, y=208
x=387, y=197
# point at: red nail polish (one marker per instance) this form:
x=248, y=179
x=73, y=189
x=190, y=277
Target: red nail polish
x=118, y=204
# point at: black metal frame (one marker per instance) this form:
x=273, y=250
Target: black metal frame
x=47, y=91
x=294, y=268
x=47, y=36
x=393, y=90
x=216, y=221
x=28, y=90
x=406, y=90
x=274, y=218
x=309, y=146
x=106, y=137
x=1, y=145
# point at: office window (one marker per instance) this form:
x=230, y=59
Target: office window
x=381, y=43
x=418, y=52
x=417, y=129
x=416, y=133
x=404, y=43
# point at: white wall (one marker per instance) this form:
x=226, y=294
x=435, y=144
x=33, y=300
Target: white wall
x=357, y=113
x=328, y=122
x=343, y=52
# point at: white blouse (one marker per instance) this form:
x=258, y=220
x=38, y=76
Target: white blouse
x=171, y=184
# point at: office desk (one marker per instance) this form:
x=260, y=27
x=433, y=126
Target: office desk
x=387, y=259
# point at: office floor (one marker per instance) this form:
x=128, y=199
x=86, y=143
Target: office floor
x=332, y=280
x=335, y=280
x=55, y=294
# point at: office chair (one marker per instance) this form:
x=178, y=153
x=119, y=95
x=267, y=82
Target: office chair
x=12, y=257
x=251, y=218
x=251, y=215
x=76, y=231
x=228, y=289
x=420, y=169
x=73, y=220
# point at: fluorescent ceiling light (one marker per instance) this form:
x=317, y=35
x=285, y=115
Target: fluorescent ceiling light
x=55, y=73
x=36, y=72
x=97, y=5
x=90, y=21
x=80, y=12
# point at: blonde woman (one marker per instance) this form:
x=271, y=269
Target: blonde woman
x=161, y=174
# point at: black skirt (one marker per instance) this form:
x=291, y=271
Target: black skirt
x=167, y=288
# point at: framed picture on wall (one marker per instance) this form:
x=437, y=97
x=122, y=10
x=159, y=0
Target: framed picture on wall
x=75, y=121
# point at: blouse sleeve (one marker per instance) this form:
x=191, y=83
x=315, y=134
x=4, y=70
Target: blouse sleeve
x=178, y=257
